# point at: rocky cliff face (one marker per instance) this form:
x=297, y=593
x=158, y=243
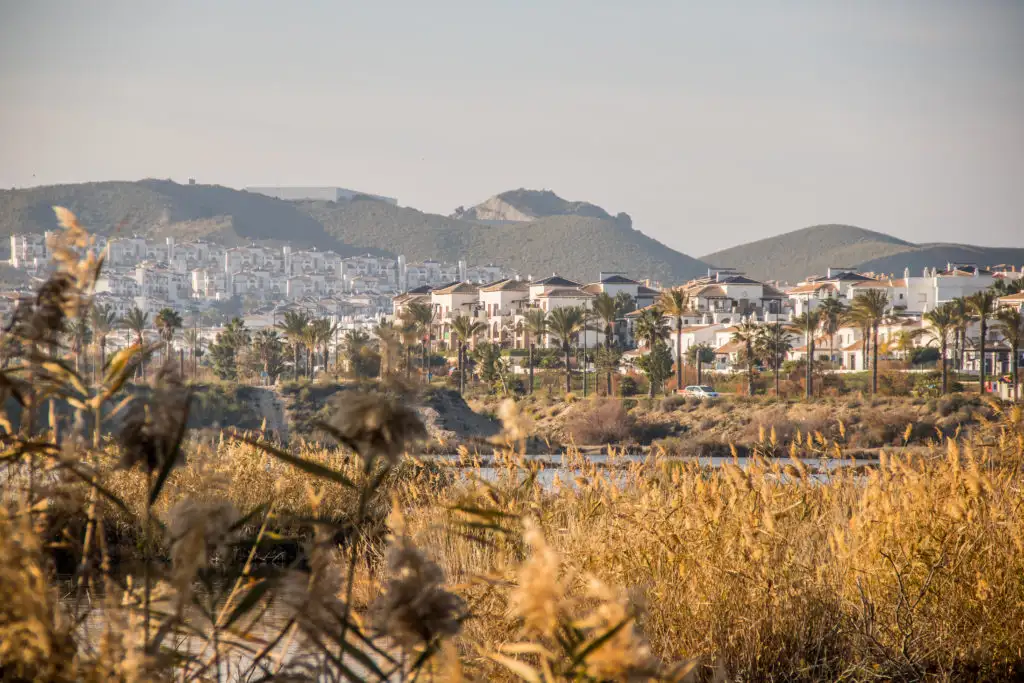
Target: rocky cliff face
x=522, y=206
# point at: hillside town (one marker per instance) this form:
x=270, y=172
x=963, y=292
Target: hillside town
x=207, y=285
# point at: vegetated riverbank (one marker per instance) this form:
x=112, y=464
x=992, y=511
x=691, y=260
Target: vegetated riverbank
x=910, y=570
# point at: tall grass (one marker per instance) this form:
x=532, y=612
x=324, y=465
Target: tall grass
x=242, y=559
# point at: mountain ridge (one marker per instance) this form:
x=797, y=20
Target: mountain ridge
x=575, y=245
x=795, y=255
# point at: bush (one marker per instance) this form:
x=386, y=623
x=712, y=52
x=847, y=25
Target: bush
x=606, y=421
x=674, y=402
x=627, y=386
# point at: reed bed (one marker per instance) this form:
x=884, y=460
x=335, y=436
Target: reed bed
x=243, y=559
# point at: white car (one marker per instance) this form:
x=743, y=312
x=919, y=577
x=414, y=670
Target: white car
x=701, y=391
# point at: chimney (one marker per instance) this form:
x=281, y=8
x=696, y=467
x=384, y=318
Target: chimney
x=828, y=273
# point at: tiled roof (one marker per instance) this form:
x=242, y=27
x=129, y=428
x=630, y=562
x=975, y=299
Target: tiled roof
x=811, y=287
x=506, y=285
x=618, y=280
x=565, y=292
x=1013, y=298
x=730, y=347
x=739, y=280
x=556, y=281
x=458, y=288
x=711, y=290
x=646, y=291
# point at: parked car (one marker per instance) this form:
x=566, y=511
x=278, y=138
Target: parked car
x=701, y=391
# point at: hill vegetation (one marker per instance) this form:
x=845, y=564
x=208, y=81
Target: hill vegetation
x=795, y=255
x=577, y=240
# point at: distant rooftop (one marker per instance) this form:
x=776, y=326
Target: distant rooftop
x=555, y=281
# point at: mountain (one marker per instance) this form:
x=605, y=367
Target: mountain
x=793, y=256
x=577, y=246
x=161, y=208
x=524, y=206
x=576, y=239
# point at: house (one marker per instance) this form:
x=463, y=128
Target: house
x=501, y=301
x=1012, y=301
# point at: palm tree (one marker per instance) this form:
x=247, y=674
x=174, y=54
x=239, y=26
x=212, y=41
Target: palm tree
x=651, y=328
x=565, y=324
x=424, y=315
x=832, y=313
x=194, y=341
x=310, y=340
x=535, y=321
x=324, y=330
x=80, y=333
x=355, y=341
x=409, y=330
x=808, y=322
x=674, y=302
x=962, y=314
x=773, y=342
x=747, y=334
x=294, y=328
x=167, y=322
x=135, y=320
x=388, y=338
x=1011, y=326
x=942, y=322
x=981, y=304
x=103, y=321
x=267, y=345
x=606, y=310
x=466, y=330
x=870, y=307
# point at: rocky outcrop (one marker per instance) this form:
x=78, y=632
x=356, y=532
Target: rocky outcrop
x=523, y=206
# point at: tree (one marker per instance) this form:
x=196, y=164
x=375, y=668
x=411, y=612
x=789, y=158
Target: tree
x=773, y=342
x=167, y=322
x=80, y=333
x=103, y=321
x=224, y=351
x=409, y=331
x=651, y=326
x=1010, y=323
x=869, y=308
x=136, y=321
x=962, y=314
x=488, y=359
x=698, y=355
x=625, y=303
x=657, y=365
x=674, y=302
x=981, y=305
x=746, y=333
x=356, y=345
x=194, y=341
x=607, y=311
x=833, y=312
x=268, y=348
x=607, y=360
x=324, y=330
x=424, y=315
x=942, y=322
x=389, y=339
x=535, y=322
x=294, y=328
x=565, y=324
x=808, y=323
x=465, y=330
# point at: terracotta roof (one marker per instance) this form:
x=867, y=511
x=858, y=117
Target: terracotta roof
x=458, y=288
x=811, y=287
x=711, y=291
x=730, y=347
x=693, y=328
x=633, y=314
x=1013, y=298
x=855, y=346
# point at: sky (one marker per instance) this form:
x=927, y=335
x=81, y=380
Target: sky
x=710, y=123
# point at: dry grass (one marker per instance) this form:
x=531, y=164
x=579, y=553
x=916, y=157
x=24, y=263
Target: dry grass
x=912, y=570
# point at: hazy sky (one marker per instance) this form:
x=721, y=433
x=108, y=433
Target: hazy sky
x=711, y=123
